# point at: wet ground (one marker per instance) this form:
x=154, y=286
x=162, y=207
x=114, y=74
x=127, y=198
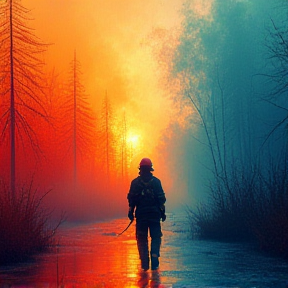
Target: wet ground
x=92, y=255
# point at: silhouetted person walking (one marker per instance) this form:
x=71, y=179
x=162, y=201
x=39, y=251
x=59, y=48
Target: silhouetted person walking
x=147, y=196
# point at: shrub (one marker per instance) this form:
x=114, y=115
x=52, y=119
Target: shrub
x=24, y=226
x=252, y=208
x=270, y=226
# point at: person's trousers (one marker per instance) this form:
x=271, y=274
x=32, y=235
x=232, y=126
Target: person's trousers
x=154, y=228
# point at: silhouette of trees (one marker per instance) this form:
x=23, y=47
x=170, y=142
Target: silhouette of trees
x=113, y=145
x=78, y=121
x=277, y=74
x=277, y=46
x=20, y=81
x=23, y=220
x=217, y=62
x=107, y=138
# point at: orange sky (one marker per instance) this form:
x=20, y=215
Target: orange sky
x=113, y=40
x=118, y=44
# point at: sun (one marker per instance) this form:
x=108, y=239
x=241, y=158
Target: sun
x=133, y=145
x=133, y=140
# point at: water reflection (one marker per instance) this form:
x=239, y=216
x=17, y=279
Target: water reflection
x=93, y=256
x=155, y=279
x=96, y=257
x=145, y=280
x=87, y=256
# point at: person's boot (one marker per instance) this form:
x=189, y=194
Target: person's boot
x=145, y=263
x=155, y=252
x=154, y=261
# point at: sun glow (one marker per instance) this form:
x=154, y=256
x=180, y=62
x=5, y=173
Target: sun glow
x=133, y=140
x=118, y=51
x=133, y=145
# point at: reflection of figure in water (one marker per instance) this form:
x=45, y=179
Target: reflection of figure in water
x=144, y=279
x=147, y=196
x=155, y=279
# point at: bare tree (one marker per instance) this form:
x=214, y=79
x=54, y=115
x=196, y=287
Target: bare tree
x=277, y=76
x=20, y=80
x=107, y=137
x=79, y=123
x=277, y=46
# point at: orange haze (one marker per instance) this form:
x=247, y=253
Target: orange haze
x=119, y=45
x=111, y=40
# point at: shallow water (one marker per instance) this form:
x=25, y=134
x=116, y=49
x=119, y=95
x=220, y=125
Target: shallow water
x=92, y=255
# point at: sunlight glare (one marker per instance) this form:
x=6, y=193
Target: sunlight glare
x=133, y=140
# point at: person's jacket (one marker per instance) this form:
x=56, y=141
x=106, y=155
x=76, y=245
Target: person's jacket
x=147, y=196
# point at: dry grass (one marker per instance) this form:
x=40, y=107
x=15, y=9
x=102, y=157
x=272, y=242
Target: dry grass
x=24, y=226
x=252, y=209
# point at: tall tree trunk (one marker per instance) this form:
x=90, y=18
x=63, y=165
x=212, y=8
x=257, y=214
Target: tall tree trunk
x=12, y=109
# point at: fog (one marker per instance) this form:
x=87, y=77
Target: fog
x=115, y=45
x=185, y=83
x=231, y=75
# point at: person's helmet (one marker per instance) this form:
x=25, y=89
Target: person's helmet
x=146, y=162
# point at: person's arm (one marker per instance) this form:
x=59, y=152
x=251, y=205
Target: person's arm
x=131, y=201
x=161, y=200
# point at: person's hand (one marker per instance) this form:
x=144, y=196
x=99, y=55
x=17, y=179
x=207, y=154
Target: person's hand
x=162, y=211
x=131, y=215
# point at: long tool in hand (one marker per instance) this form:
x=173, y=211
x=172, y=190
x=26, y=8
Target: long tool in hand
x=126, y=228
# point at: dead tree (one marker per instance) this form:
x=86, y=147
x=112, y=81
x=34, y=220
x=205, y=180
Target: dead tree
x=78, y=120
x=20, y=80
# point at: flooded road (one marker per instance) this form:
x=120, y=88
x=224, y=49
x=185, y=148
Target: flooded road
x=92, y=255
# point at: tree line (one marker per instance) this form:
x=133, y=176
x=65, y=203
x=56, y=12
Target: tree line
x=232, y=66
x=50, y=139
x=47, y=122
